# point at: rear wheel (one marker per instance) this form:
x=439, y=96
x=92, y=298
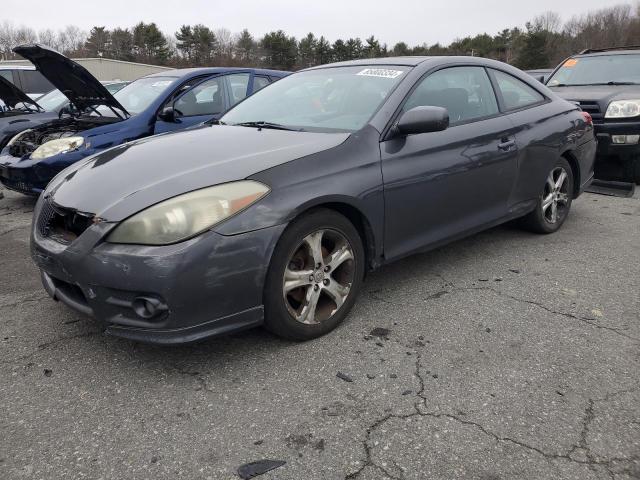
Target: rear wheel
x=315, y=275
x=554, y=202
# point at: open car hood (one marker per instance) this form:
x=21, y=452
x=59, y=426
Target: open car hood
x=12, y=95
x=80, y=87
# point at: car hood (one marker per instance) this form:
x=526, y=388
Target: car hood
x=72, y=79
x=119, y=182
x=12, y=95
x=600, y=94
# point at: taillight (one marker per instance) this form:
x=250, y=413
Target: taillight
x=587, y=118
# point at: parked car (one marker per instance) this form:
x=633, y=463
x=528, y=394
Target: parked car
x=540, y=74
x=29, y=113
x=158, y=103
x=14, y=102
x=273, y=215
x=27, y=79
x=606, y=83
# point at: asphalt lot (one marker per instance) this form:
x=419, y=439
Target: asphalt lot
x=504, y=356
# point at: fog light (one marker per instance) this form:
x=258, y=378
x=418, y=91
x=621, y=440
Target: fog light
x=148, y=307
x=625, y=139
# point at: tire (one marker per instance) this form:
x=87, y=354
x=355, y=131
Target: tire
x=288, y=301
x=541, y=219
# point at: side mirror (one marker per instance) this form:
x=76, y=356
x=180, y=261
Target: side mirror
x=423, y=120
x=540, y=78
x=167, y=114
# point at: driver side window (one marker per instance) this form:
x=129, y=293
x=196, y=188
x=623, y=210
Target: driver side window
x=465, y=92
x=204, y=99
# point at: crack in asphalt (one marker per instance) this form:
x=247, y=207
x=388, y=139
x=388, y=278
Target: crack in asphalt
x=592, y=462
x=586, y=320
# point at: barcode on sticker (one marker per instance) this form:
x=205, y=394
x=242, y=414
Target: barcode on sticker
x=380, y=72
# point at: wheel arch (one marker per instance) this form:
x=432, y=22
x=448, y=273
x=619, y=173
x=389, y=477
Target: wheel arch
x=570, y=157
x=353, y=213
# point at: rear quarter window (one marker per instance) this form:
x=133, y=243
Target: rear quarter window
x=516, y=94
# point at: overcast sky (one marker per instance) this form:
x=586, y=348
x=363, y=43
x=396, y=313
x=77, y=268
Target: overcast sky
x=412, y=21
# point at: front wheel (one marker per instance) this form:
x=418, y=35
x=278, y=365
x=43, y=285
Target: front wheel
x=315, y=275
x=554, y=202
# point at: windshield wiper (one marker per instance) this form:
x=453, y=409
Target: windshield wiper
x=263, y=124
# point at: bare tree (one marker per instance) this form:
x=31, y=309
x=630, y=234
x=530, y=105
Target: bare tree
x=49, y=38
x=226, y=42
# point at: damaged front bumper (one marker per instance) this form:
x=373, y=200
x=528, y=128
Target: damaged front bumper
x=209, y=285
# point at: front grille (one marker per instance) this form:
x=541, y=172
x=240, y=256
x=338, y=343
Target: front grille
x=593, y=109
x=61, y=224
x=46, y=214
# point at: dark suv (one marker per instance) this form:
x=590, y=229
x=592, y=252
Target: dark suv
x=606, y=83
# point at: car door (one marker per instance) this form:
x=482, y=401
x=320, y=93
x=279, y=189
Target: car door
x=443, y=184
x=198, y=103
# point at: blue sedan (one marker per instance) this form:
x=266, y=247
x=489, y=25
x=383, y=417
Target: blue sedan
x=158, y=103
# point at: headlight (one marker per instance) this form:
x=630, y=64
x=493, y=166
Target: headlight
x=16, y=137
x=623, y=109
x=54, y=147
x=185, y=216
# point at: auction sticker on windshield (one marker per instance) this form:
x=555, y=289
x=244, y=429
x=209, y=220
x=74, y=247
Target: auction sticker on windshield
x=380, y=72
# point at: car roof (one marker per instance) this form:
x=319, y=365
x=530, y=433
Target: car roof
x=425, y=62
x=17, y=67
x=609, y=51
x=400, y=61
x=192, y=72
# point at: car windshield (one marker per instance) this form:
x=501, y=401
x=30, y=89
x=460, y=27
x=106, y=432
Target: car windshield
x=323, y=100
x=138, y=95
x=55, y=99
x=598, y=70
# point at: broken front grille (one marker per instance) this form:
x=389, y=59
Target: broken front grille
x=61, y=224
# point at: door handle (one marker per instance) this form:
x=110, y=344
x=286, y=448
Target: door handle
x=506, y=144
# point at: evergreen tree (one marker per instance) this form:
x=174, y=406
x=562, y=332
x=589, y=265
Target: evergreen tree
x=98, y=42
x=307, y=51
x=150, y=44
x=279, y=50
x=121, y=44
x=323, y=51
x=246, y=47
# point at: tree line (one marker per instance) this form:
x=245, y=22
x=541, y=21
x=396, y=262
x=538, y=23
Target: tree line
x=543, y=42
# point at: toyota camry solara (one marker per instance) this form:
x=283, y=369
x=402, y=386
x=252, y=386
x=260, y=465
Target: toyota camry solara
x=274, y=214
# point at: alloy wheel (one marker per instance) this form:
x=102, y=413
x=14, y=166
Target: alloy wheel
x=318, y=276
x=555, y=198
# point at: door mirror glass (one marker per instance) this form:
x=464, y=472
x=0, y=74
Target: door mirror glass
x=423, y=120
